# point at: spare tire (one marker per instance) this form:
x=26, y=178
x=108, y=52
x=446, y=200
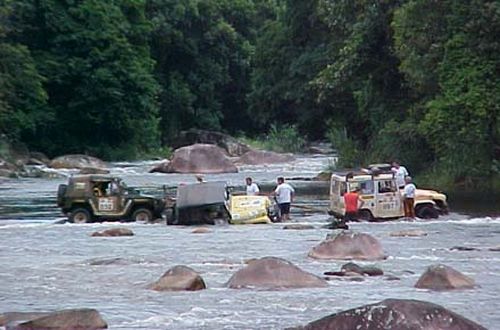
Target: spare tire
x=61, y=193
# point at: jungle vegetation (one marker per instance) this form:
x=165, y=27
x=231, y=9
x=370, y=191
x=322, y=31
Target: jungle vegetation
x=414, y=80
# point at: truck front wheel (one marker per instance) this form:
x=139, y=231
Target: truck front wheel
x=142, y=215
x=80, y=215
x=426, y=212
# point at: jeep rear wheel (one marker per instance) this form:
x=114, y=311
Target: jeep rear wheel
x=142, y=215
x=365, y=215
x=80, y=215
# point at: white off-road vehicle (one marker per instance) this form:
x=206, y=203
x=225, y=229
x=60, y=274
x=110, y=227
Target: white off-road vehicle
x=382, y=198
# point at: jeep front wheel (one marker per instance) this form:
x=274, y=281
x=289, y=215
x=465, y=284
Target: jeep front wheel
x=426, y=212
x=142, y=215
x=80, y=215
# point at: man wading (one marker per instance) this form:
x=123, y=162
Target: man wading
x=409, y=198
x=284, y=196
x=353, y=202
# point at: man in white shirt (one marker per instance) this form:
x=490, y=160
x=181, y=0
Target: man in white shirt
x=284, y=196
x=409, y=198
x=252, y=187
x=400, y=173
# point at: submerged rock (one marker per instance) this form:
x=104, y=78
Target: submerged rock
x=77, y=161
x=179, y=278
x=464, y=248
x=118, y=231
x=297, y=226
x=200, y=158
x=352, y=269
x=273, y=273
x=408, y=233
x=394, y=314
x=348, y=245
x=88, y=319
x=261, y=157
x=440, y=277
x=200, y=230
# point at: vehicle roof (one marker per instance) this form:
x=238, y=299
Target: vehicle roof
x=362, y=174
x=94, y=178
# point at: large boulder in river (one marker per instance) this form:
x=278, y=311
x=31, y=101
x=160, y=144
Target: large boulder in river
x=230, y=145
x=261, y=157
x=77, y=161
x=440, y=277
x=88, y=319
x=348, y=245
x=273, y=273
x=179, y=278
x=399, y=314
x=200, y=158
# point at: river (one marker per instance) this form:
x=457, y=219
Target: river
x=47, y=266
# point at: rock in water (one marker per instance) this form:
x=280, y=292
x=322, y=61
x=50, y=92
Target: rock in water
x=77, y=161
x=408, y=233
x=297, y=226
x=400, y=314
x=261, y=157
x=119, y=231
x=273, y=273
x=348, y=245
x=200, y=230
x=179, y=278
x=232, y=146
x=88, y=319
x=440, y=277
x=200, y=158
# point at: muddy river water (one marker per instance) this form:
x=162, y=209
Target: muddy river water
x=46, y=266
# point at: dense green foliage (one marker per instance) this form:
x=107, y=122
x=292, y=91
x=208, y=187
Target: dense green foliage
x=416, y=80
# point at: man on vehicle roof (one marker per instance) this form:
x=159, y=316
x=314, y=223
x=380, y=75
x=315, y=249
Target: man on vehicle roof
x=400, y=172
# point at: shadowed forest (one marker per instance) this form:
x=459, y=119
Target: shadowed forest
x=414, y=80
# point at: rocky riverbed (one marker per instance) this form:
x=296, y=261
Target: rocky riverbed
x=47, y=267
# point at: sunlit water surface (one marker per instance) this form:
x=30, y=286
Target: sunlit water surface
x=47, y=266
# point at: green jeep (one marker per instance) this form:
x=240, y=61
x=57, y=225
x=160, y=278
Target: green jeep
x=90, y=198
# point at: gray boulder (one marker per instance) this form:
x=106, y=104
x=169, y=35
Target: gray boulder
x=261, y=157
x=273, y=273
x=77, y=161
x=348, y=245
x=230, y=145
x=88, y=319
x=200, y=158
x=400, y=314
x=179, y=278
x=440, y=277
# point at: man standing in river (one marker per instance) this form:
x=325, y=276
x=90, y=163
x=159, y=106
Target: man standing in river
x=252, y=188
x=284, y=194
x=352, y=202
x=409, y=198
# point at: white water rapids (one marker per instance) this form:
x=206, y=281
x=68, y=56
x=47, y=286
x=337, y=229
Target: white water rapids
x=46, y=266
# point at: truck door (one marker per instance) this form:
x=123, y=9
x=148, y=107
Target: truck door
x=388, y=201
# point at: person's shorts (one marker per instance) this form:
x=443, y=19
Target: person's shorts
x=351, y=216
x=284, y=208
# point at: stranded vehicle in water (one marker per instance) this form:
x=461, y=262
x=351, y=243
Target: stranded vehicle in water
x=381, y=196
x=89, y=198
